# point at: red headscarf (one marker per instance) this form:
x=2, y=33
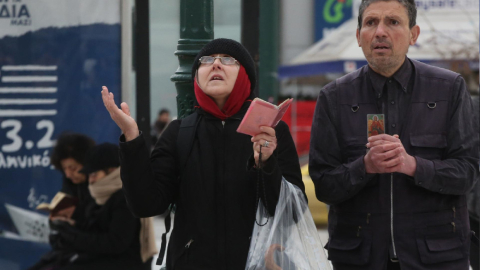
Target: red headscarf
x=241, y=91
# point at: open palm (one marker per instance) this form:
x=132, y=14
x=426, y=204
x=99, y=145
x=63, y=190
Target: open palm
x=122, y=116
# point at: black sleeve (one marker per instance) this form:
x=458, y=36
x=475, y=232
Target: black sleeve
x=458, y=171
x=284, y=162
x=150, y=183
x=474, y=195
x=67, y=186
x=85, y=200
x=334, y=180
x=122, y=230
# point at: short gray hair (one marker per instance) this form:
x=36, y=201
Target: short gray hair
x=408, y=4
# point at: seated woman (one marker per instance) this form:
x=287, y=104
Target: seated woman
x=110, y=237
x=217, y=189
x=69, y=157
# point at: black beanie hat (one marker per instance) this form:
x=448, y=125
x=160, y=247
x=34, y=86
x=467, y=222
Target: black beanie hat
x=232, y=48
x=100, y=157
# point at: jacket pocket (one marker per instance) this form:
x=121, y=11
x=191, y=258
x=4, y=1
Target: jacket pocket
x=429, y=116
x=428, y=146
x=440, y=244
x=350, y=245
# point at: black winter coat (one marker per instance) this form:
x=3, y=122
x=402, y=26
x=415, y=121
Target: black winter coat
x=215, y=197
x=109, y=239
x=81, y=192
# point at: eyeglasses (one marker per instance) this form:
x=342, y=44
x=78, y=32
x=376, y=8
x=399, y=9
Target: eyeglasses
x=226, y=60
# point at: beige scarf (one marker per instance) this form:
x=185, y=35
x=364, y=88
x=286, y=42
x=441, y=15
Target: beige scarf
x=101, y=192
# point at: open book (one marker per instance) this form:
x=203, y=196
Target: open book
x=59, y=202
x=262, y=113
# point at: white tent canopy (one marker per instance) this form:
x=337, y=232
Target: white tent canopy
x=445, y=35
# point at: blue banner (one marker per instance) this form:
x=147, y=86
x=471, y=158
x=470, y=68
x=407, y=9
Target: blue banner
x=55, y=55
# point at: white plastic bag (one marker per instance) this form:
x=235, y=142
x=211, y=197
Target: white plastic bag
x=289, y=240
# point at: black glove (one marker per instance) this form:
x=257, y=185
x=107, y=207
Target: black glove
x=62, y=234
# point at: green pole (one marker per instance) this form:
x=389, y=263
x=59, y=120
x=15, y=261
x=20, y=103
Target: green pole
x=268, y=50
x=196, y=30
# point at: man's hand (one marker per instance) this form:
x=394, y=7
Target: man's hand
x=68, y=220
x=387, y=155
x=62, y=233
x=64, y=215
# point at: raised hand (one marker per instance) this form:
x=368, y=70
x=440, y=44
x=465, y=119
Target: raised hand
x=267, y=135
x=121, y=116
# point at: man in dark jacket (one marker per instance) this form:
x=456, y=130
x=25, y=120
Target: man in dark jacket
x=401, y=204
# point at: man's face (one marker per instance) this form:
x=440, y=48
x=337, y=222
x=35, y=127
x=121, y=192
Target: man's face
x=385, y=36
x=71, y=169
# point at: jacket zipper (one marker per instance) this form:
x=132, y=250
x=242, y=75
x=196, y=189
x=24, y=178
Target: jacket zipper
x=391, y=215
x=222, y=186
x=391, y=201
x=187, y=247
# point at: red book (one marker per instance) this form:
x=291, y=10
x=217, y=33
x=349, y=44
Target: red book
x=262, y=113
x=59, y=202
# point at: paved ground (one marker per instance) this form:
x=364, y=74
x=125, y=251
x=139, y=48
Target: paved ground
x=160, y=229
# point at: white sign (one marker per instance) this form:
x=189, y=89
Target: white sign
x=31, y=15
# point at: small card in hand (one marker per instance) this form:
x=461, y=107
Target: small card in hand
x=375, y=124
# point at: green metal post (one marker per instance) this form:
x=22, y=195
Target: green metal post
x=196, y=30
x=269, y=43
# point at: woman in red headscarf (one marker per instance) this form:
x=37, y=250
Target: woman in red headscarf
x=217, y=189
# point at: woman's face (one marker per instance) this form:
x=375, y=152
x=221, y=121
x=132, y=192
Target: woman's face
x=217, y=80
x=72, y=168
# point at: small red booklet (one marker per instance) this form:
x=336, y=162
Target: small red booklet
x=262, y=113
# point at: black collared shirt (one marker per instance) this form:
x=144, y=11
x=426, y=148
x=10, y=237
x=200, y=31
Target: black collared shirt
x=393, y=95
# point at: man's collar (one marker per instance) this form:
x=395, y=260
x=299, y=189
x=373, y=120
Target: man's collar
x=402, y=75
x=378, y=81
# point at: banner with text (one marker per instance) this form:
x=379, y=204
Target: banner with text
x=55, y=55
